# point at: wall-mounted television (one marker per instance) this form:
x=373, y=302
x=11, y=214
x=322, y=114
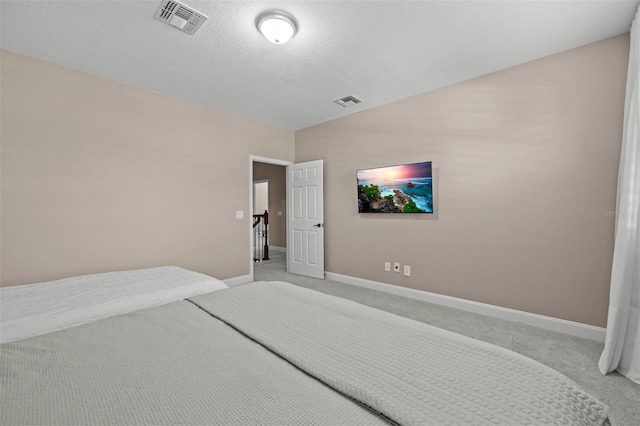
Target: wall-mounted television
x=405, y=188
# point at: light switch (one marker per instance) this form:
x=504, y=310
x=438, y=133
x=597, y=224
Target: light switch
x=239, y=214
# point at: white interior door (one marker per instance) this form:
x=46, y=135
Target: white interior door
x=305, y=221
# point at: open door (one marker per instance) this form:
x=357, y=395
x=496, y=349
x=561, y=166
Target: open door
x=305, y=219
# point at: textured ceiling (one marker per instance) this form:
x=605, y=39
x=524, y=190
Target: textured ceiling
x=379, y=51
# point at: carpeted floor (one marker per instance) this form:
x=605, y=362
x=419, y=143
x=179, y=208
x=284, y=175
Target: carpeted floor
x=572, y=356
x=274, y=257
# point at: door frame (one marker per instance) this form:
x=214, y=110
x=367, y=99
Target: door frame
x=274, y=161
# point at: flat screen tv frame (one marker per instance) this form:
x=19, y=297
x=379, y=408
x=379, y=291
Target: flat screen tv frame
x=402, y=188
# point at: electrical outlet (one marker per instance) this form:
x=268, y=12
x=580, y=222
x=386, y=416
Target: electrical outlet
x=396, y=267
x=407, y=270
x=387, y=266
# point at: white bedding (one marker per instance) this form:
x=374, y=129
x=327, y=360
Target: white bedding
x=409, y=372
x=35, y=309
x=267, y=353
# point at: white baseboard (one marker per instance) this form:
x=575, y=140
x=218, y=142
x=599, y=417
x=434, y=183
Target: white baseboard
x=276, y=248
x=243, y=279
x=562, y=326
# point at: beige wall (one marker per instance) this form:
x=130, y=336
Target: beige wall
x=98, y=176
x=277, y=200
x=525, y=166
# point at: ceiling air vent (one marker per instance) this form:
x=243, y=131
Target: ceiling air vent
x=348, y=101
x=180, y=16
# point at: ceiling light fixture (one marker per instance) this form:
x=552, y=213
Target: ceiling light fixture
x=276, y=26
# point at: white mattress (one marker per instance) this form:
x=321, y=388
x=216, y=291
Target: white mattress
x=35, y=309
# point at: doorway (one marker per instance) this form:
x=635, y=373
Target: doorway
x=268, y=193
x=260, y=194
x=260, y=222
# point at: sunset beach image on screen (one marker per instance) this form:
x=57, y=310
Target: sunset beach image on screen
x=405, y=188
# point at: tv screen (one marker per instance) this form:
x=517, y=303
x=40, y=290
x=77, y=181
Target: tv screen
x=396, y=189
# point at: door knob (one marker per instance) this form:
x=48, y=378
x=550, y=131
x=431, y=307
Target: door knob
x=319, y=225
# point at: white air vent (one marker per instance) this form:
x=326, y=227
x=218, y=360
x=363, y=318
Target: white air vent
x=348, y=101
x=180, y=16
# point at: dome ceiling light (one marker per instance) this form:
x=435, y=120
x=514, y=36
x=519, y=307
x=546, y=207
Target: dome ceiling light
x=276, y=26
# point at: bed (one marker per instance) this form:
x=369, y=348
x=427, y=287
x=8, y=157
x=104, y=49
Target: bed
x=171, y=346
